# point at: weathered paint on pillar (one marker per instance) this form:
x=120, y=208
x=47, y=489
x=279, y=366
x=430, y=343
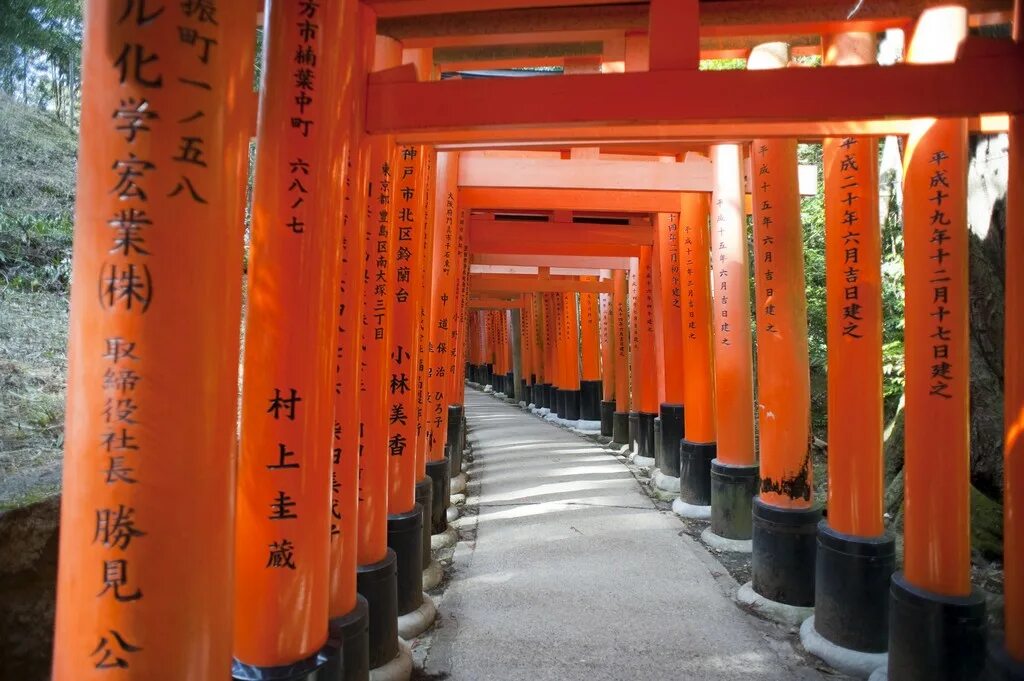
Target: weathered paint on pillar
x=607, y=325
x=647, y=379
x=671, y=307
x=621, y=339
x=443, y=306
x=783, y=376
x=345, y=433
x=153, y=346
x=734, y=383
x=282, y=543
x=403, y=356
x=696, y=317
x=854, y=304
x=937, y=545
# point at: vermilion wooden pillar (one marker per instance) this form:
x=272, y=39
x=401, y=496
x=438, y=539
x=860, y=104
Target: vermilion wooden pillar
x=697, y=449
x=734, y=472
x=455, y=434
x=540, y=370
x=285, y=465
x=607, y=322
x=937, y=546
x=784, y=514
x=635, y=369
x=670, y=304
x=855, y=559
x=646, y=379
x=549, y=387
x=153, y=347
x=621, y=339
x=1010, y=656
x=590, y=347
x=572, y=355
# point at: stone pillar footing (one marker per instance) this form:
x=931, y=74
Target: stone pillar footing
x=425, y=500
x=352, y=633
x=590, y=400
x=377, y=583
x=572, y=405
x=732, y=497
x=527, y=392
x=313, y=668
x=851, y=604
x=1002, y=667
x=695, y=471
x=784, y=549
x=510, y=384
x=672, y=424
x=557, y=401
x=645, y=434
x=607, y=418
x=405, y=538
x=934, y=636
x=456, y=436
x=634, y=431
x=439, y=473
x=659, y=449
x=543, y=399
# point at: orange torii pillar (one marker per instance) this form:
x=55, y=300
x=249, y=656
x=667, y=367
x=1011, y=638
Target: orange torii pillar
x=153, y=348
x=348, y=611
x=525, y=350
x=634, y=355
x=645, y=379
x=405, y=515
x=571, y=351
x=1007, y=657
x=697, y=450
x=855, y=556
x=545, y=403
x=283, y=525
x=937, y=618
x=537, y=339
x=607, y=311
x=734, y=471
x=559, y=404
x=590, y=347
x=785, y=517
x=432, y=572
x=670, y=305
x=620, y=339
x=446, y=267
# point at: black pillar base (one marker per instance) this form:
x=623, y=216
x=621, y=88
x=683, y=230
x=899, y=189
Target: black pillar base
x=439, y=472
x=784, y=548
x=851, y=589
x=557, y=401
x=323, y=665
x=645, y=434
x=620, y=428
x=572, y=405
x=695, y=471
x=732, y=498
x=933, y=636
x=405, y=538
x=634, y=431
x=456, y=436
x=352, y=632
x=425, y=500
x=607, y=417
x=545, y=396
x=526, y=390
x=510, y=385
x=489, y=375
x=590, y=400
x=498, y=383
x=659, y=453
x=672, y=423
x=377, y=584
x=1002, y=667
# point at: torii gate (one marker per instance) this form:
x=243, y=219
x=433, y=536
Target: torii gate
x=293, y=542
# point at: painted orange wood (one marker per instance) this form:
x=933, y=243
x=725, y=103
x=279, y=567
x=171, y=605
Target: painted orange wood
x=621, y=340
x=670, y=295
x=695, y=256
x=646, y=378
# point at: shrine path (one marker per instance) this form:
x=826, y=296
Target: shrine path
x=569, y=571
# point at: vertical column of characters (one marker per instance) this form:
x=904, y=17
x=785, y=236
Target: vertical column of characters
x=590, y=334
x=634, y=336
x=670, y=298
x=404, y=356
x=426, y=206
x=734, y=389
x=148, y=366
x=606, y=312
x=460, y=272
x=648, y=379
x=697, y=341
x=621, y=340
x=526, y=342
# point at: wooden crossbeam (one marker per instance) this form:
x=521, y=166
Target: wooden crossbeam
x=494, y=304
x=589, y=262
x=511, y=284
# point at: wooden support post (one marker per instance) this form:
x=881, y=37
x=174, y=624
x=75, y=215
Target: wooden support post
x=936, y=469
x=674, y=35
x=621, y=341
x=669, y=306
x=153, y=347
x=698, y=446
x=785, y=505
x=590, y=348
x=645, y=379
x=734, y=472
x=427, y=207
x=606, y=313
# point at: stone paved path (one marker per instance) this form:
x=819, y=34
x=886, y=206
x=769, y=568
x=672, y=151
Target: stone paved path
x=575, y=574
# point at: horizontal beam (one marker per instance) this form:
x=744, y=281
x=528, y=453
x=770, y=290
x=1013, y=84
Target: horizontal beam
x=563, y=232
x=416, y=8
x=494, y=304
x=493, y=284
x=568, y=199
x=692, y=175
x=989, y=83
x=589, y=262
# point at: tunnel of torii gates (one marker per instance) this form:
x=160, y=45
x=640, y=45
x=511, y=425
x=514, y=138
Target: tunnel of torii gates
x=578, y=242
